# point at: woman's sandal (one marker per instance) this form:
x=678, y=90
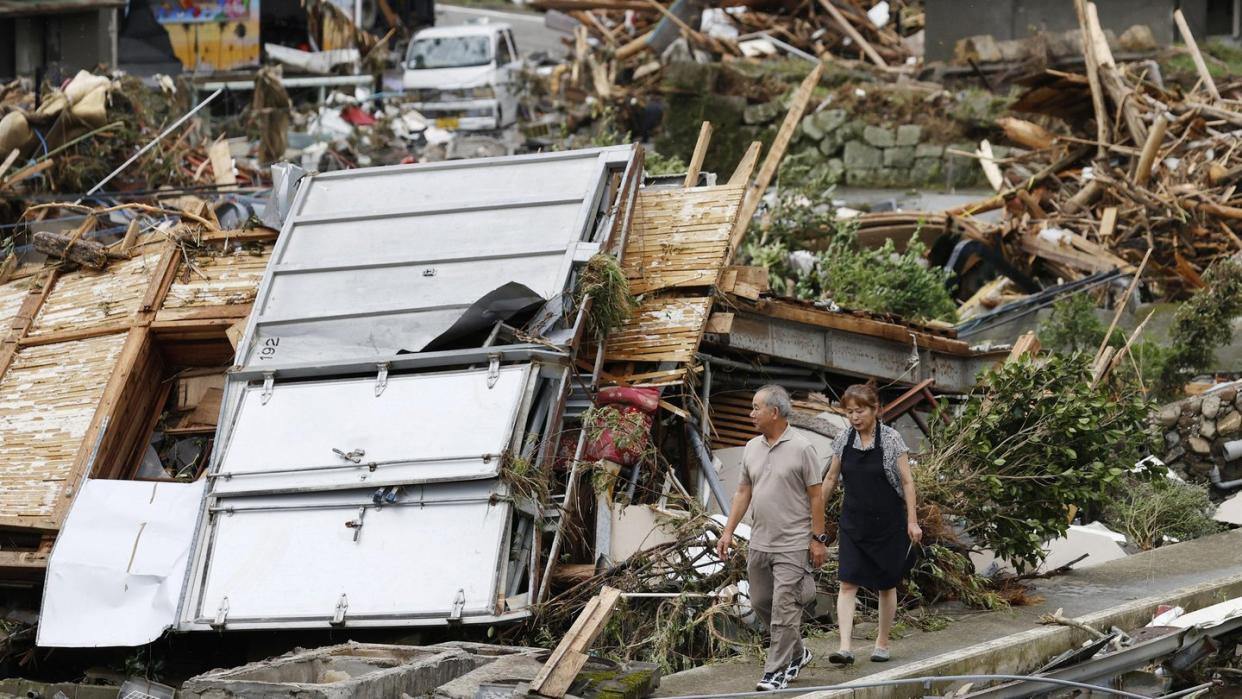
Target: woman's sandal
x=880, y=655
x=841, y=657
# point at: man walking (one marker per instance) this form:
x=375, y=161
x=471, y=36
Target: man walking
x=782, y=478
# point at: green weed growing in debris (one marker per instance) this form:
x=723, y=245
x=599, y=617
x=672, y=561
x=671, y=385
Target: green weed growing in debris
x=657, y=164
x=603, y=282
x=1035, y=438
x=881, y=280
x=837, y=268
x=1201, y=325
x=1149, y=511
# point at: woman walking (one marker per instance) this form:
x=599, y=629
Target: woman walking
x=878, y=522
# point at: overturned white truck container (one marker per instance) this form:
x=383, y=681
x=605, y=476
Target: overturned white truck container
x=376, y=394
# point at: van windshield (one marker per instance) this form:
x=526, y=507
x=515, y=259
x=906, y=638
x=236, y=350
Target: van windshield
x=449, y=52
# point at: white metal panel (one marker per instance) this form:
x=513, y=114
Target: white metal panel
x=116, y=572
x=421, y=428
x=377, y=260
x=377, y=335
x=295, y=563
x=318, y=294
x=461, y=182
x=388, y=238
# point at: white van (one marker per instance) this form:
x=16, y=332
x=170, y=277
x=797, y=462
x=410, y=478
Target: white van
x=464, y=76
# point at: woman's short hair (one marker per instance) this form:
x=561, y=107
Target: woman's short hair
x=862, y=395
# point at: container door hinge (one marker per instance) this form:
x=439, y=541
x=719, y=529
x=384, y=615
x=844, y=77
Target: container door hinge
x=493, y=369
x=459, y=605
x=342, y=605
x=356, y=524
x=222, y=614
x=269, y=385
x=381, y=381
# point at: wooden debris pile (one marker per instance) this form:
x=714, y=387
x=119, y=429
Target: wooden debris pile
x=1143, y=167
x=66, y=141
x=620, y=46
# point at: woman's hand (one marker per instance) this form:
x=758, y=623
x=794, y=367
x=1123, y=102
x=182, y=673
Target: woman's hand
x=915, y=532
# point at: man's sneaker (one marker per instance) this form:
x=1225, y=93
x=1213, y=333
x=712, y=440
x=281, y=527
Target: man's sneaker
x=791, y=672
x=772, y=681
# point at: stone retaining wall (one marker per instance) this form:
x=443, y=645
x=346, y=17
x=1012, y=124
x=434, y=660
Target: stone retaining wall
x=832, y=147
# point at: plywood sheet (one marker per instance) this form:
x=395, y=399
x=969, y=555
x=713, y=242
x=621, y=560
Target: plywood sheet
x=661, y=330
x=50, y=395
x=219, y=280
x=680, y=237
x=86, y=299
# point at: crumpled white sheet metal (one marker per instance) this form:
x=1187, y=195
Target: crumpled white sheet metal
x=115, y=575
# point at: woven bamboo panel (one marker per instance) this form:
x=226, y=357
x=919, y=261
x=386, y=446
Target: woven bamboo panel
x=219, y=280
x=11, y=297
x=50, y=395
x=660, y=330
x=680, y=237
x=86, y=299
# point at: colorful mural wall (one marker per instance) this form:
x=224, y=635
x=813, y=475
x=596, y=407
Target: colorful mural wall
x=211, y=35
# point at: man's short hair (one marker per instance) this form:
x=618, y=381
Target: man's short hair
x=777, y=397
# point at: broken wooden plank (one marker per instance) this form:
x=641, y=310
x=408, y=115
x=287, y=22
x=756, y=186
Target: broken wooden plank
x=990, y=169
x=853, y=33
x=700, y=152
x=754, y=194
x=569, y=657
x=746, y=166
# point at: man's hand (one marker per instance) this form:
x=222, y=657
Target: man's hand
x=722, y=545
x=915, y=532
x=819, y=554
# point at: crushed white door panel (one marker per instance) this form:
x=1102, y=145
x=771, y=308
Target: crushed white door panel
x=115, y=575
x=338, y=434
x=285, y=559
x=464, y=183
x=424, y=243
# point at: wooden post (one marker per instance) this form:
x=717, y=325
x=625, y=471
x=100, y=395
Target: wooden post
x=1148, y=157
x=1125, y=299
x=755, y=192
x=1193, y=47
x=700, y=152
x=1093, y=78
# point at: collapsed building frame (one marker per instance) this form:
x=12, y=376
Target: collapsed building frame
x=414, y=335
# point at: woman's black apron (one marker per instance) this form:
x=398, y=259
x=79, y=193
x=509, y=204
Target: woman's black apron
x=874, y=546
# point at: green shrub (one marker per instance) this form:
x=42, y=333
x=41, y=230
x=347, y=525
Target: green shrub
x=1074, y=326
x=1149, y=511
x=1201, y=325
x=1035, y=439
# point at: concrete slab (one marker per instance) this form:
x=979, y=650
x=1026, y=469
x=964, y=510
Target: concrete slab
x=351, y=670
x=1123, y=592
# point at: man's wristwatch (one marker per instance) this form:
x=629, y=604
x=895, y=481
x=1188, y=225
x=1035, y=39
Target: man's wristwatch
x=821, y=538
